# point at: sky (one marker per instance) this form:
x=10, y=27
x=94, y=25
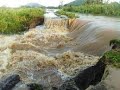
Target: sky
x=17, y=3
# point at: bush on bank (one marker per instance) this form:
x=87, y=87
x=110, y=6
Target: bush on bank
x=68, y=14
x=113, y=56
x=18, y=19
x=112, y=9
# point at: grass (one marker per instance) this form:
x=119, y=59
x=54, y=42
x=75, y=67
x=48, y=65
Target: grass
x=112, y=9
x=113, y=56
x=68, y=14
x=17, y=20
x=115, y=41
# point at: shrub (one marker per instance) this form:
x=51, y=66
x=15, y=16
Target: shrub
x=113, y=56
x=100, y=9
x=17, y=20
x=68, y=14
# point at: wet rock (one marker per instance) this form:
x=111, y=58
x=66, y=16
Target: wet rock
x=87, y=77
x=34, y=86
x=100, y=86
x=90, y=76
x=69, y=85
x=110, y=82
x=48, y=77
x=21, y=86
x=115, y=44
x=8, y=83
x=54, y=88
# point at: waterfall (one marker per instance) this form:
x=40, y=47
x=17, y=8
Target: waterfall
x=56, y=23
x=93, y=37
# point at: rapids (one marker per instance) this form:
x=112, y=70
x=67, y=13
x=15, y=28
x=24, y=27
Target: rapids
x=51, y=55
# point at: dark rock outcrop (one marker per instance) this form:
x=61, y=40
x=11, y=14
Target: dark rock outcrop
x=9, y=82
x=115, y=44
x=87, y=77
x=34, y=86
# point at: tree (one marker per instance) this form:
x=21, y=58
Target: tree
x=93, y=1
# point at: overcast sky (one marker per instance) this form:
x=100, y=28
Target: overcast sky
x=16, y=3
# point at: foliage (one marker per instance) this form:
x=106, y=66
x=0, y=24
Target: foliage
x=112, y=9
x=80, y=2
x=115, y=41
x=68, y=14
x=93, y=1
x=113, y=56
x=17, y=20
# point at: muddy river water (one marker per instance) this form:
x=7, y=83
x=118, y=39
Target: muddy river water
x=56, y=50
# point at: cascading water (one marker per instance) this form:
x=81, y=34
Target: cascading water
x=93, y=37
x=51, y=55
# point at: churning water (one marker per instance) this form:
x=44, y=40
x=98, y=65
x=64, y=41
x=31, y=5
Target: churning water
x=55, y=53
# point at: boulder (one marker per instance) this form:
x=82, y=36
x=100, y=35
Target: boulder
x=110, y=82
x=85, y=78
x=34, y=86
x=7, y=83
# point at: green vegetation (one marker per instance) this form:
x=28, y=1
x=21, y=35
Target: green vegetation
x=99, y=9
x=115, y=42
x=113, y=56
x=81, y=2
x=17, y=20
x=95, y=7
x=68, y=14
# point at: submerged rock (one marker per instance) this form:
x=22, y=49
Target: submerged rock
x=9, y=82
x=34, y=86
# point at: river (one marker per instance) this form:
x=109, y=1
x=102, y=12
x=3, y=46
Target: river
x=53, y=52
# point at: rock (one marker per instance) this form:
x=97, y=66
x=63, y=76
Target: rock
x=115, y=44
x=90, y=76
x=48, y=77
x=111, y=77
x=69, y=85
x=64, y=17
x=34, y=86
x=111, y=82
x=21, y=86
x=9, y=82
x=87, y=77
x=100, y=86
x=54, y=88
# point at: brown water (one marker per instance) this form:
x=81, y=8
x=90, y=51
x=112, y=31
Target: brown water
x=57, y=52
x=93, y=37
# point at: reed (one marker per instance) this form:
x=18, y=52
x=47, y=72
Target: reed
x=112, y=9
x=113, y=56
x=17, y=20
x=68, y=14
